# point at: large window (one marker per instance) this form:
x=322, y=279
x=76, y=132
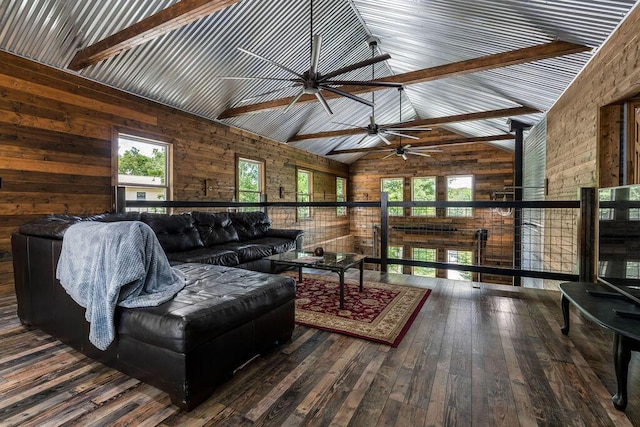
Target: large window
x=424, y=254
x=423, y=189
x=303, y=192
x=460, y=189
x=250, y=181
x=143, y=168
x=394, y=252
x=459, y=257
x=394, y=187
x=341, y=195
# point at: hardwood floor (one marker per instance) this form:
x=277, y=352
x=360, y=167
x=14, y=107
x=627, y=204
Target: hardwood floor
x=484, y=356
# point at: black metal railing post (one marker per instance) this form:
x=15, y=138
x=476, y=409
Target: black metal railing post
x=587, y=234
x=384, y=231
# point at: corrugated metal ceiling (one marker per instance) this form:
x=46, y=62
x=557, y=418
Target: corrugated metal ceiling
x=181, y=68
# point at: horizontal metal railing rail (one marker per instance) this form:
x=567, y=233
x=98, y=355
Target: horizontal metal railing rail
x=382, y=259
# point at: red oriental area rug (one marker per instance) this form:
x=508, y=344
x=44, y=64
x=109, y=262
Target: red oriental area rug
x=381, y=313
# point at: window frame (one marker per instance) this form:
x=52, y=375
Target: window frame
x=152, y=140
x=467, y=275
x=304, y=212
x=435, y=258
x=341, y=210
x=395, y=210
x=261, y=177
x=429, y=211
x=395, y=268
x=467, y=212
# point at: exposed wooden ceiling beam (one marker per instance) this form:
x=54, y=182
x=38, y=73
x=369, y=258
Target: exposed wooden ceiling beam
x=483, y=63
x=435, y=121
x=439, y=143
x=173, y=17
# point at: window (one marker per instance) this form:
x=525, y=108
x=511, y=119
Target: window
x=423, y=189
x=394, y=187
x=459, y=257
x=423, y=254
x=303, y=193
x=250, y=181
x=143, y=168
x=460, y=189
x=341, y=195
x=394, y=252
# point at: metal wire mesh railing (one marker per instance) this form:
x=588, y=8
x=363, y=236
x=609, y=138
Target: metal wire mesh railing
x=492, y=241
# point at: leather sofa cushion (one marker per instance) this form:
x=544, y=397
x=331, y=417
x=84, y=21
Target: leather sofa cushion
x=278, y=245
x=215, y=300
x=206, y=256
x=175, y=232
x=248, y=251
x=115, y=216
x=250, y=225
x=51, y=226
x=215, y=228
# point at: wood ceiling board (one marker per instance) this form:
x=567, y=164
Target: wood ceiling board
x=435, y=121
x=173, y=17
x=483, y=63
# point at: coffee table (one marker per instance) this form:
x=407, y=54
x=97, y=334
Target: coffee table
x=332, y=261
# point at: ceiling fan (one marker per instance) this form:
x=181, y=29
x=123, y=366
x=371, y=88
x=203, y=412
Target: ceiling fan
x=404, y=150
x=383, y=131
x=313, y=82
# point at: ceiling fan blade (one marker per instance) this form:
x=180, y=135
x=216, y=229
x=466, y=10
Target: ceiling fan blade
x=253, y=78
x=388, y=155
x=361, y=83
x=351, y=125
x=386, y=141
x=270, y=62
x=421, y=150
x=347, y=95
x=355, y=66
x=323, y=102
x=266, y=93
x=294, y=100
x=315, y=53
x=404, y=157
x=363, y=138
x=403, y=135
x=408, y=129
x=415, y=153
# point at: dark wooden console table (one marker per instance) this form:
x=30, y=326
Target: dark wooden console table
x=599, y=304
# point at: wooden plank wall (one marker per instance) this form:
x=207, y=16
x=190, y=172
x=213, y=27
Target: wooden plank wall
x=573, y=123
x=56, y=132
x=492, y=169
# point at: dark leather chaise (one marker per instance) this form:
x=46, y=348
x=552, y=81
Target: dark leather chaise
x=187, y=346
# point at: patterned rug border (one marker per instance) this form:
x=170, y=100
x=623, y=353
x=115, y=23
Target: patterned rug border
x=412, y=295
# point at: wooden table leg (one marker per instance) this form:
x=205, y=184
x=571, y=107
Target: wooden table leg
x=621, y=358
x=299, y=274
x=361, y=274
x=565, y=314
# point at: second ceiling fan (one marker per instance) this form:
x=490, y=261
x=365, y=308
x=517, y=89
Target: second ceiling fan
x=312, y=82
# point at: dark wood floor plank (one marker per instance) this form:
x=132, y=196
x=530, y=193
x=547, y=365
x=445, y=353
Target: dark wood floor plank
x=490, y=355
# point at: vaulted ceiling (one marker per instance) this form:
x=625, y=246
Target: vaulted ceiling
x=466, y=65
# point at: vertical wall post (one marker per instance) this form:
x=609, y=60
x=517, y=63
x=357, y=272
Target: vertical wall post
x=519, y=128
x=120, y=199
x=384, y=231
x=587, y=235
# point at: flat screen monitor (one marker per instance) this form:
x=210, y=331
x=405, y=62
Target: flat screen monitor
x=619, y=239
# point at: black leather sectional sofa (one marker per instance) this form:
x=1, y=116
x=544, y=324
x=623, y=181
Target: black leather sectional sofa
x=187, y=346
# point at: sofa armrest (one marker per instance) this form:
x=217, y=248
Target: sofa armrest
x=287, y=234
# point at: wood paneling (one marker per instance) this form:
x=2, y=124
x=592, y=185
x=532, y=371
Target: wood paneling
x=573, y=123
x=492, y=169
x=56, y=132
